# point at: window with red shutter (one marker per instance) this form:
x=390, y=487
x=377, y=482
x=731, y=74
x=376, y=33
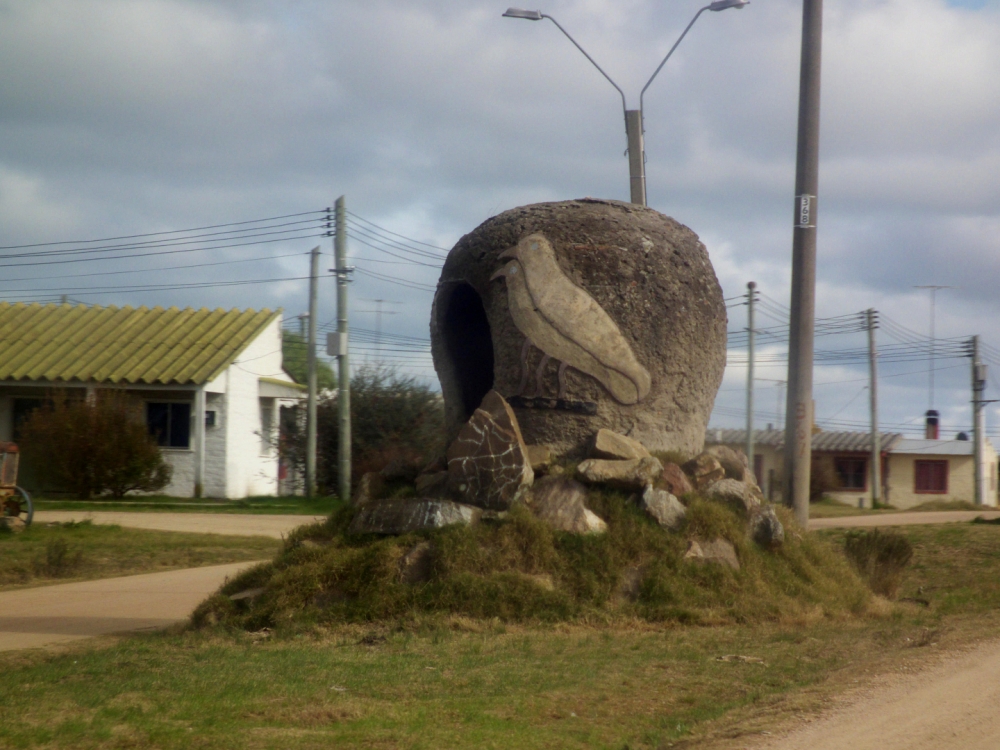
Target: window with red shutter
x=931, y=477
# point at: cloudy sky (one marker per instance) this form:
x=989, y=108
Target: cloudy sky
x=145, y=117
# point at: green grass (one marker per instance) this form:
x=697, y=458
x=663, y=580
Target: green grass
x=267, y=505
x=324, y=575
x=456, y=682
x=81, y=551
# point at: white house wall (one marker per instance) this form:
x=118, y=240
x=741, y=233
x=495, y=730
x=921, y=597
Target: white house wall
x=249, y=469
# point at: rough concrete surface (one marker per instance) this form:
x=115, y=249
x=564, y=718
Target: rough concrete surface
x=39, y=616
x=196, y=523
x=948, y=707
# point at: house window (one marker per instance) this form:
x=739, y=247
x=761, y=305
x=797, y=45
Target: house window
x=22, y=410
x=169, y=424
x=930, y=476
x=851, y=472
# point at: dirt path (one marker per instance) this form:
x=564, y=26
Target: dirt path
x=901, y=519
x=233, y=524
x=54, y=614
x=951, y=706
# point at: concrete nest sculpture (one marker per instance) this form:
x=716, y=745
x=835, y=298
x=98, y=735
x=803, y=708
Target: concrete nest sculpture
x=583, y=315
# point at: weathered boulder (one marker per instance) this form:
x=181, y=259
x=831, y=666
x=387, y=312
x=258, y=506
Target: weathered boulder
x=524, y=305
x=662, y=507
x=630, y=583
x=734, y=462
x=704, y=469
x=403, y=515
x=674, y=480
x=559, y=502
x=765, y=528
x=370, y=487
x=611, y=445
x=717, y=551
x=623, y=475
x=488, y=464
x=539, y=456
x=432, y=485
x=415, y=565
x=741, y=497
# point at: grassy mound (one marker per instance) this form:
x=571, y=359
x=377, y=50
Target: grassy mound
x=518, y=569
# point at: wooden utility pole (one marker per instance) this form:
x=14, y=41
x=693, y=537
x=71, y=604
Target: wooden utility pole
x=799, y=410
x=344, y=368
x=751, y=298
x=876, y=457
x=311, y=363
x=978, y=431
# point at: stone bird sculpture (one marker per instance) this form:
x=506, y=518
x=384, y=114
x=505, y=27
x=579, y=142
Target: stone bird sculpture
x=565, y=323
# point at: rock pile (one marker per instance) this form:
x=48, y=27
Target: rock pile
x=489, y=468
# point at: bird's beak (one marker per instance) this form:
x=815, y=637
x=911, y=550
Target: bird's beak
x=499, y=274
x=511, y=253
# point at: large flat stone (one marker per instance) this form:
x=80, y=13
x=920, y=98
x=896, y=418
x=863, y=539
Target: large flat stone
x=401, y=516
x=488, y=463
x=611, y=445
x=559, y=501
x=624, y=475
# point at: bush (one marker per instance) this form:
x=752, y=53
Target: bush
x=879, y=557
x=392, y=417
x=294, y=355
x=94, y=447
x=822, y=479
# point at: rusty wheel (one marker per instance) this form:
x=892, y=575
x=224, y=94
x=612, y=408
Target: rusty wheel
x=19, y=506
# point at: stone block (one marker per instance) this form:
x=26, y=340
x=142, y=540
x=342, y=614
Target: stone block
x=734, y=462
x=369, y=488
x=741, y=497
x=765, y=528
x=625, y=475
x=704, y=470
x=559, y=502
x=662, y=507
x=674, y=480
x=717, y=551
x=13, y=523
x=611, y=445
x=404, y=515
x=488, y=463
x=539, y=456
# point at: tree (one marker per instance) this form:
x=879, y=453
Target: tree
x=94, y=446
x=392, y=417
x=294, y=352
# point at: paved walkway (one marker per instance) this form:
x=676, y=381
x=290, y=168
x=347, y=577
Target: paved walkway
x=234, y=524
x=902, y=519
x=67, y=612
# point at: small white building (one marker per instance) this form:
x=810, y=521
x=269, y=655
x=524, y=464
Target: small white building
x=212, y=382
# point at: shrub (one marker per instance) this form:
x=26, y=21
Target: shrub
x=822, y=479
x=294, y=351
x=392, y=417
x=94, y=447
x=879, y=557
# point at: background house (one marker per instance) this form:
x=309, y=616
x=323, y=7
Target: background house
x=212, y=382
x=914, y=471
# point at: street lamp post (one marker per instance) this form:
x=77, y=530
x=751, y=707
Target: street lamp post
x=633, y=117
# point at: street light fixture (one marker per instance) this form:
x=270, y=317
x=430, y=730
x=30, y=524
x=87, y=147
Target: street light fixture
x=633, y=117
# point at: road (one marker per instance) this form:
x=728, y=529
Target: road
x=948, y=707
x=236, y=524
x=56, y=614
x=901, y=519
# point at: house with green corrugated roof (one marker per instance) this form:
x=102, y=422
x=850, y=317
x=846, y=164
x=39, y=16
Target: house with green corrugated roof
x=212, y=382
